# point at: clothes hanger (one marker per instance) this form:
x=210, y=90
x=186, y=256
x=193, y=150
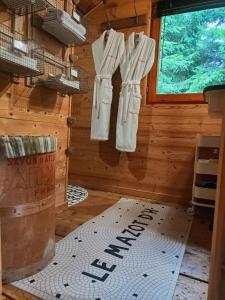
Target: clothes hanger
x=136, y=35
x=106, y=36
x=135, y=10
x=109, y=25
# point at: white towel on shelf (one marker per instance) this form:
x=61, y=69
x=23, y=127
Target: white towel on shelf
x=21, y=60
x=67, y=19
x=71, y=83
x=61, y=83
x=60, y=24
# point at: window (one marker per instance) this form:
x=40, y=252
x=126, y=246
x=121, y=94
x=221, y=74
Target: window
x=190, y=55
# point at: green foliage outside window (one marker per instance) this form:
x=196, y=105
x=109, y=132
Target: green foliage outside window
x=192, y=51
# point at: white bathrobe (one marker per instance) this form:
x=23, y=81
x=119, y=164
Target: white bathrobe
x=135, y=65
x=107, y=58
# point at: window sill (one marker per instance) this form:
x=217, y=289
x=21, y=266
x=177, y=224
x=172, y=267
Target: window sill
x=176, y=98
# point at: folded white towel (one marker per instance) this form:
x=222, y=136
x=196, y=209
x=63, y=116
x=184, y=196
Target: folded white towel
x=20, y=146
x=61, y=84
x=60, y=24
x=21, y=60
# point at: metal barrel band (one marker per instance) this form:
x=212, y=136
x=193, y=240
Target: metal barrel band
x=23, y=210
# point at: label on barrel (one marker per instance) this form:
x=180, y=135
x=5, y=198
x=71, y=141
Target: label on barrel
x=31, y=178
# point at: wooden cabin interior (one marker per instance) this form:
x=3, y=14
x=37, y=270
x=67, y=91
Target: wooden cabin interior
x=68, y=162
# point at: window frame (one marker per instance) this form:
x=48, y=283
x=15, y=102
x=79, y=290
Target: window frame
x=152, y=96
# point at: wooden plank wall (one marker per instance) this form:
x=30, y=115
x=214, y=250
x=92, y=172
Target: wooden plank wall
x=36, y=111
x=162, y=166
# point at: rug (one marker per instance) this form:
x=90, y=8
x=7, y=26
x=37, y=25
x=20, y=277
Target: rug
x=75, y=194
x=133, y=250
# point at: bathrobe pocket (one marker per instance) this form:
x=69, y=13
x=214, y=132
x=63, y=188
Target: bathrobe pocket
x=135, y=104
x=107, y=91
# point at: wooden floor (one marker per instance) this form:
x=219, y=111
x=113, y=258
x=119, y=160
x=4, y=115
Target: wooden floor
x=193, y=279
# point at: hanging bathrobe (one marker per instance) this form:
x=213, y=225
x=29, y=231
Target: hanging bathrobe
x=107, y=57
x=135, y=65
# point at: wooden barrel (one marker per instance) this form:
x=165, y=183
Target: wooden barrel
x=27, y=210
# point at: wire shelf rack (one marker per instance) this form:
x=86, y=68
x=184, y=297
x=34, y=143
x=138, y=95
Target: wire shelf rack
x=23, y=7
x=18, y=56
x=65, y=80
x=68, y=29
x=52, y=18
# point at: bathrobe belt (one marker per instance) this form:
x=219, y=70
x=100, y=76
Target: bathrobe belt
x=128, y=94
x=97, y=90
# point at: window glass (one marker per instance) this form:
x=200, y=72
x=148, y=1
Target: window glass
x=192, y=51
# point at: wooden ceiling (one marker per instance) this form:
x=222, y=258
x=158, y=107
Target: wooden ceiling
x=115, y=9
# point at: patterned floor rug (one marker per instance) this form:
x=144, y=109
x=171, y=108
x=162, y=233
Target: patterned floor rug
x=75, y=194
x=132, y=251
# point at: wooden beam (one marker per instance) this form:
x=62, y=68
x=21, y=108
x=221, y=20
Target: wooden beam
x=92, y=8
x=217, y=255
x=115, y=10
x=126, y=23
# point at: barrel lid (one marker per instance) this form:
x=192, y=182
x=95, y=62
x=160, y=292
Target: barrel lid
x=214, y=88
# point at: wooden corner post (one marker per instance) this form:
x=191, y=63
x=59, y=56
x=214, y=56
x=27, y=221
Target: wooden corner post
x=1, y=296
x=216, y=277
